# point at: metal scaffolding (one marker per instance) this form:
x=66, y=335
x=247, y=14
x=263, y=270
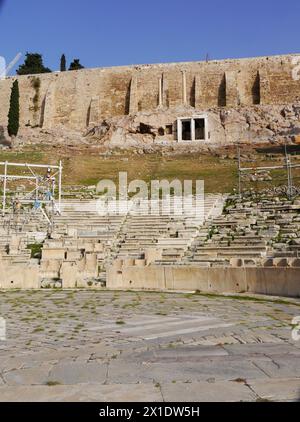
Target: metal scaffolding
x=38, y=180
x=288, y=165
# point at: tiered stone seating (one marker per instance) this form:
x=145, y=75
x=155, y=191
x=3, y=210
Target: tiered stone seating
x=249, y=229
x=141, y=232
x=19, y=230
x=81, y=228
x=174, y=247
x=13, y=249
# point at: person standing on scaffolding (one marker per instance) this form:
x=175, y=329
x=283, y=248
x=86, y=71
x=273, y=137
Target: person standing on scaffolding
x=48, y=180
x=48, y=174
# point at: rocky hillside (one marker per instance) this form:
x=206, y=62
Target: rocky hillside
x=146, y=131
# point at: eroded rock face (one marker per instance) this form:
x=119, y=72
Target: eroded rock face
x=225, y=126
x=251, y=125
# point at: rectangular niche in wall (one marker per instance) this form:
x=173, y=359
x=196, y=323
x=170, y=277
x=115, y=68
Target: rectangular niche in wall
x=199, y=129
x=169, y=129
x=186, y=130
x=192, y=129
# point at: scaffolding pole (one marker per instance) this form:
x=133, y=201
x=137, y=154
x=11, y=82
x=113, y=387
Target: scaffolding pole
x=289, y=172
x=239, y=164
x=4, y=188
x=34, y=177
x=59, y=185
x=292, y=166
x=45, y=166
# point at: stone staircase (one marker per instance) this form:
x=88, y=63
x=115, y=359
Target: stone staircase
x=174, y=247
x=129, y=235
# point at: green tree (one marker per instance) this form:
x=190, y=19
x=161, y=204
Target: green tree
x=76, y=65
x=14, y=110
x=32, y=65
x=63, y=63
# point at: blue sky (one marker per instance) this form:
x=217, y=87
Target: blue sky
x=120, y=32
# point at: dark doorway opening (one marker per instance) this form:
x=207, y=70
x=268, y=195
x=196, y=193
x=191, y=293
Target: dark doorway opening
x=186, y=130
x=199, y=129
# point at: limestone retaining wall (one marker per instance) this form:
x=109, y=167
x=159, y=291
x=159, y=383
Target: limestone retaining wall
x=20, y=276
x=269, y=281
x=78, y=99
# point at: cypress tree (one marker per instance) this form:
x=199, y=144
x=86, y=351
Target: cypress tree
x=13, y=114
x=63, y=63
